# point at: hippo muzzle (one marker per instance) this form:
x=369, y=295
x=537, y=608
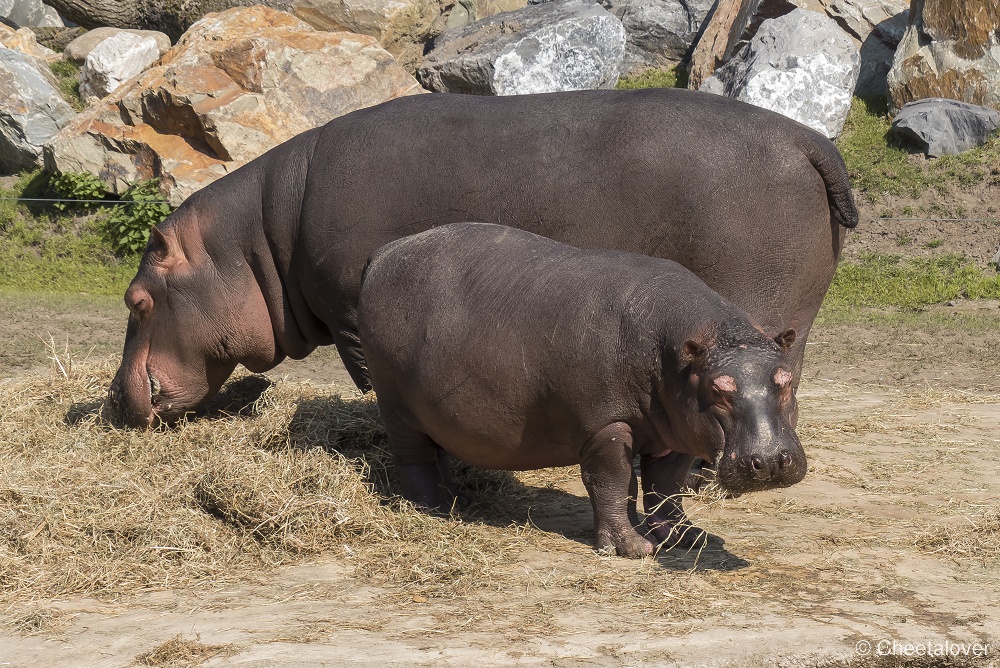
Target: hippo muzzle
x=766, y=457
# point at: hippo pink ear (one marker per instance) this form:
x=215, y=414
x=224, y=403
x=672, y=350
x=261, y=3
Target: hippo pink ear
x=164, y=251
x=785, y=339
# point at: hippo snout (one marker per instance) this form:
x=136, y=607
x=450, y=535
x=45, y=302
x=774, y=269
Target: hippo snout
x=766, y=468
x=125, y=408
x=761, y=468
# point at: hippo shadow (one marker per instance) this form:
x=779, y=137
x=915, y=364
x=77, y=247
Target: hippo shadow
x=242, y=397
x=352, y=428
x=85, y=411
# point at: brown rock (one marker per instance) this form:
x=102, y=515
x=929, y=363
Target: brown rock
x=712, y=48
x=969, y=24
x=948, y=51
x=236, y=84
x=401, y=26
x=23, y=40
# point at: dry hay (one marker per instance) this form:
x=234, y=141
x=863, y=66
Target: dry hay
x=180, y=653
x=270, y=473
x=973, y=537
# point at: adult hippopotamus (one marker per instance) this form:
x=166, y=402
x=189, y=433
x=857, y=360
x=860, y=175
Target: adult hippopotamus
x=266, y=262
x=594, y=356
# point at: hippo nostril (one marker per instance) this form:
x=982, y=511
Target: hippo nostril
x=785, y=460
x=757, y=463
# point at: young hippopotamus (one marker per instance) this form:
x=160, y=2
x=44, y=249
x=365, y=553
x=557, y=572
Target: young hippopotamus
x=512, y=351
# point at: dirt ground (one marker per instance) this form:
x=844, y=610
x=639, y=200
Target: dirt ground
x=891, y=541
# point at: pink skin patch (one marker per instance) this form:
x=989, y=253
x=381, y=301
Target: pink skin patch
x=782, y=377
x=725, y=383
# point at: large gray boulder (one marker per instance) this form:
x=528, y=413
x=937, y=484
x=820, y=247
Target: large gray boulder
x=30, y=14
x=78, y=50
x=659, y=33
x=944, y=127
x=31, y=110
x=568, y=45
x=860, y=17
x=114, y=61
x=801, y=65
x=877, y=54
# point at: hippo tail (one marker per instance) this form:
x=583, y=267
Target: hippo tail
x=826, y=160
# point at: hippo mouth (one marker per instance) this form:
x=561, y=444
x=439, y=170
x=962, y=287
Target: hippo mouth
x=739, y=479
x=161, y=407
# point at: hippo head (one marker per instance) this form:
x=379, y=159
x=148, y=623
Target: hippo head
x=196, y=311
x=742, y=403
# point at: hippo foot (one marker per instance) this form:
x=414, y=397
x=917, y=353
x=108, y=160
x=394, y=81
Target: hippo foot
x=625, y=544
x=674, y=533
x=448, y=503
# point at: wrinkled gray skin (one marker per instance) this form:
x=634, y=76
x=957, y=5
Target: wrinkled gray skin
x=594, y=356
x=266, y=262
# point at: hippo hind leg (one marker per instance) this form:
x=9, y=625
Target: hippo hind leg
x=663, y=479
x=422, y=467
x=606, y=469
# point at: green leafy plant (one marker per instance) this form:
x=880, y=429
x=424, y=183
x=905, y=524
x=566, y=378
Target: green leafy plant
x=77, y=186
x=128, y=223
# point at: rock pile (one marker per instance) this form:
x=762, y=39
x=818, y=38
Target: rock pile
x=237, y=84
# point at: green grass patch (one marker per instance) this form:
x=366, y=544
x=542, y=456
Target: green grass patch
x=886, y=281
x=68, y=77
x=937, y=320
x=880, y=166
x=675, y=77
x=45, y=250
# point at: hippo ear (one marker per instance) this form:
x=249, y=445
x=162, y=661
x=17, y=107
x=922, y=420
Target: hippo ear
x=785, y=339
x=164, y=251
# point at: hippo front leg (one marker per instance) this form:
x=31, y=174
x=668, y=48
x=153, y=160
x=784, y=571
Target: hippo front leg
x=606, y=469
x=662, y=482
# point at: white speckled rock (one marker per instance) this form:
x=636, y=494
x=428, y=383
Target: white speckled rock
x=859, y=17
x=30, y=14
x=114, y=61
x=801, y=65
x=572, y=45
x=31, y=109
x=78, y=50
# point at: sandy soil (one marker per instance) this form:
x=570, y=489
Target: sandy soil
x=889, y=538
x=877, y=544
